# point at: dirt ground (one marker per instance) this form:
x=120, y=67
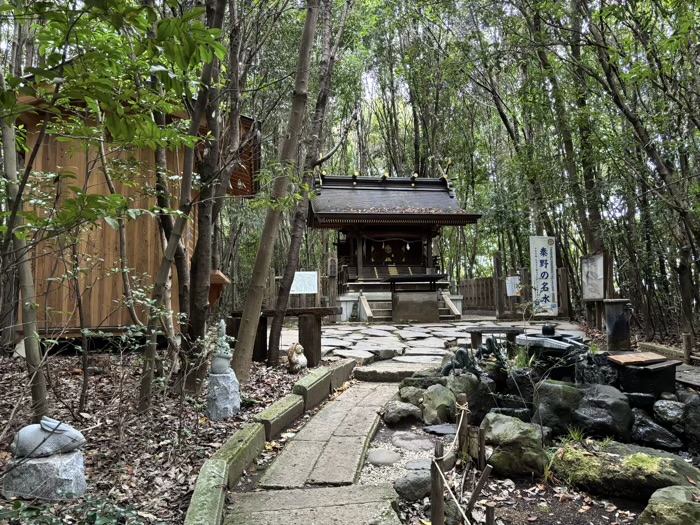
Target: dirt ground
x=140, y=467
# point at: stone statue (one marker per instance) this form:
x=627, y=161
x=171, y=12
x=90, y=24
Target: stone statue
x=47, y=463
x=221, y=359
x=296, y=360
x=224, y=393
x=45, y=439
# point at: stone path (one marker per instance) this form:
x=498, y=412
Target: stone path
x=313, y=479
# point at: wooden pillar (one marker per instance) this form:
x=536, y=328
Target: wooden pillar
x=332, y=285
x=260, y=345
x=563, y=292
x=476, y=340
x=499, y=298
x=310, y=338
x=358, y=249
x=437, y=499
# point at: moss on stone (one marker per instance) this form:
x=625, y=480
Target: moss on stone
x=629, y=471
x=644, y=464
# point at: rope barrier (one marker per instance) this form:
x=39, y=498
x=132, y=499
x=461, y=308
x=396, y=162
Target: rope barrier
x=464, y=409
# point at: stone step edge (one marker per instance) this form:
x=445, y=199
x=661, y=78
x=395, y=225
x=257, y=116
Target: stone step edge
x=222, y=471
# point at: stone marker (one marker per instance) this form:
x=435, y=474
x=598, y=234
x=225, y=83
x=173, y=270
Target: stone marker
x=46, y=464
x=224, y=396
x=57, y=477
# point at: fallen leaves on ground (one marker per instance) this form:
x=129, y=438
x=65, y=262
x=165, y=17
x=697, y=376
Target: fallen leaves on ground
x=149, y=463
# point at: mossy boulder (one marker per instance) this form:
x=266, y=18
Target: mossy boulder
x=674, y=505
x=439, y=405
x=517, y=446
x=423, y=382
x=479, y=392
x=412, y=394
x=627, y=471
x=599, y=410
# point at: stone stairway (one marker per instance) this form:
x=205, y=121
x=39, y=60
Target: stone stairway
x=381, y=311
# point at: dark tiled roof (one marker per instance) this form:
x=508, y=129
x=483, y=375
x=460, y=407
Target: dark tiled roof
x=369, y=200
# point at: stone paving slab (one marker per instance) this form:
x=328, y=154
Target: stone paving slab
x=391, y=371
x=426, y=351
x=340, y=462
x=354, y=505
x=419, y=359
x=360, y=356
x=320, y=427
x=356, y=423
x=292, y=469
x=330, y=448
x=430, y=342
x=380, y=396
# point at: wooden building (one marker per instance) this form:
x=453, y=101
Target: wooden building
x=386, y=229
x=98, y=249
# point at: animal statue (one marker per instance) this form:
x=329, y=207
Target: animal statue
x=296, y=360
x=463, y=361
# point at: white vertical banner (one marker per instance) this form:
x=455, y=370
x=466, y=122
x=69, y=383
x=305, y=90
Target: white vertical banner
x=543, y=269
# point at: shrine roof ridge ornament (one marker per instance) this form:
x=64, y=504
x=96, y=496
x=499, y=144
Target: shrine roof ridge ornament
x=342, y=200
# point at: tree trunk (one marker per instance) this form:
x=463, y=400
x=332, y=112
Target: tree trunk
x=32, y=346
x=175, y=237
x=328, y=58
x=242, y=357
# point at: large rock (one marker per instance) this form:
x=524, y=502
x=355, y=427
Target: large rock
x=641, y=400
x=598, y=410
x=397, y=411
x=223, y=396
x=672, y=506
x=628, y=471
x=605, y=412
x=46, y=438
x=648, y=432
x=411, y=394
x=556, y=404
x=669, y=412
x=518, y=446
x=413, y=486
x=595, y=369
x=439, y=405
x=423, y=381
x=480, y=394
x=58, y=477
x=521, y=382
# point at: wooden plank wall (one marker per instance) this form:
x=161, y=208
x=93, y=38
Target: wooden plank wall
x=98, y=249
x=478, y=294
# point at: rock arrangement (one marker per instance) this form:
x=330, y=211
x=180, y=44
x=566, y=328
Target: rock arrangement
x=47, y=463
x=638, y=433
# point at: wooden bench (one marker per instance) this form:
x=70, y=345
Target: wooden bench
x=309, y=330
x=510, y=332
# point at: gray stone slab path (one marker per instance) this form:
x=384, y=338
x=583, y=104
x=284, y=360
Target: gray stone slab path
x=329, y=450
x=313, y=479
x=355, y=505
